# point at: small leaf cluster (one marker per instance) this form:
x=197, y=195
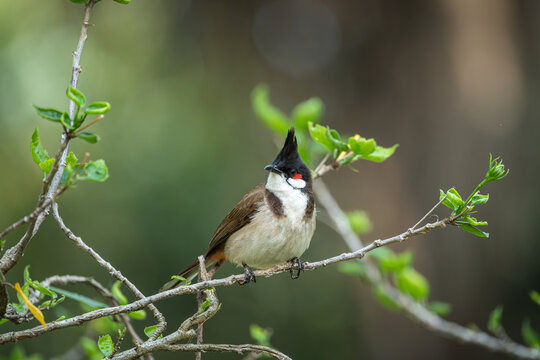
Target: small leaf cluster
x=309, y=111
x=46, y=297
x=397, y=269
x=99, y=108
x=74, y=171
x=355, y=148
x=462, y=210
x=529, y=335
x=305, y=117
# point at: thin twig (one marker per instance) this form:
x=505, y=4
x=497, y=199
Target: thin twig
x=105, y=264
x=203, y=276
x=89, y=124
x=194, y=288
x=415, y=310
x=50, y=185
x=238, y=349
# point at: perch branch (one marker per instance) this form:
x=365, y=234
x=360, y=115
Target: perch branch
x=194, y=288
x=415, y=310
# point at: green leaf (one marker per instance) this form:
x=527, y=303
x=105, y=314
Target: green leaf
x=106, y=345
x=335, y=138
x=535, y=296
x=149, y=331
x=359, y=221
x=474, y=230
x=181, y=278
x=531, y=338
x=396, y=262
x=494, y=322
x=308, y=111
x=472, y=221
x=379, y=155
x=117, y=293
x=205, y=304
x=361, y=146
x=89, y=137
x=36, y=285
x=80, y=298
x=39, y=154
x=71, y=160
x=77, y=96
x=440, y=308
x=137, y=315
x=319, y=135
x=355, y=268
x=3, y=321
x=19, y=308
x=413, y=283
x=125, y=2
x=94, y=171
x=66, y=121
x=384, y=299
x=58, y=301
x=46, y=166
x=479, y=199
x=98, y=108
x=49, y=114
x=496, y=169
x=260, y=335
x=79, y=119
x=269, y=115
x=453, y=199
x=26, y=274
x=78, y=1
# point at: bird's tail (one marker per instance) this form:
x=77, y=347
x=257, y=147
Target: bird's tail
x=188, y=273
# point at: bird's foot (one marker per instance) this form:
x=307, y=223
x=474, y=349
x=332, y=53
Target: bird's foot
x=248, y=275
x=297, y=265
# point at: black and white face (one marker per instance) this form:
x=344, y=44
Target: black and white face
x=283, y=178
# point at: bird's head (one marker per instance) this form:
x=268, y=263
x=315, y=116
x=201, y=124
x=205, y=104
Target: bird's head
x=288, y=169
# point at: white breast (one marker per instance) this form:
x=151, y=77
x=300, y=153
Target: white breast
x=270, y=239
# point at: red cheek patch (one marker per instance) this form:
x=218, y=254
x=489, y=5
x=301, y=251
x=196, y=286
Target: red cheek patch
x=297, y=176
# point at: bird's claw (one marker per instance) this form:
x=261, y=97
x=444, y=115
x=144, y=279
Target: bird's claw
x=298, y=265
x=248, y=275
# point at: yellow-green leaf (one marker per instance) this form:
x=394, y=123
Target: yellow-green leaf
x=33, y=309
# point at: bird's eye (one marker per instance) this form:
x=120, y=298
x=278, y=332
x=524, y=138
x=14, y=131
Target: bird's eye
x=294, y=174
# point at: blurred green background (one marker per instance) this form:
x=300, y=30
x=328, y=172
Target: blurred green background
x=449, y=80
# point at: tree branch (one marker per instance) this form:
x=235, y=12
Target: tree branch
x=415, y=310
x=194, y=288
x=50, y=185
x=162, y=324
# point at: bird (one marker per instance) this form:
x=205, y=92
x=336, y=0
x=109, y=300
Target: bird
x=272, y=224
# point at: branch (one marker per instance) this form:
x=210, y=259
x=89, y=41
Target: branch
x=238, y=349
x=102, y=290
x=52, y=181
x=162, y=324
x=194, y=288
x=415, y=310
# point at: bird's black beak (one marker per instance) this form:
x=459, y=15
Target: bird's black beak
x=273, y=169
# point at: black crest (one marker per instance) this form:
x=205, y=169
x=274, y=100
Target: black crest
x=289, y=153
x=289, y=161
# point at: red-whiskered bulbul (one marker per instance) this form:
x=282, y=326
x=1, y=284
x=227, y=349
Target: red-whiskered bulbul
x=272, y=224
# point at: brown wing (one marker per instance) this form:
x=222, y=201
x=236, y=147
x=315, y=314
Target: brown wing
x=238, y=217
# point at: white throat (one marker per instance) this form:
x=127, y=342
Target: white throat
x=289, y=191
